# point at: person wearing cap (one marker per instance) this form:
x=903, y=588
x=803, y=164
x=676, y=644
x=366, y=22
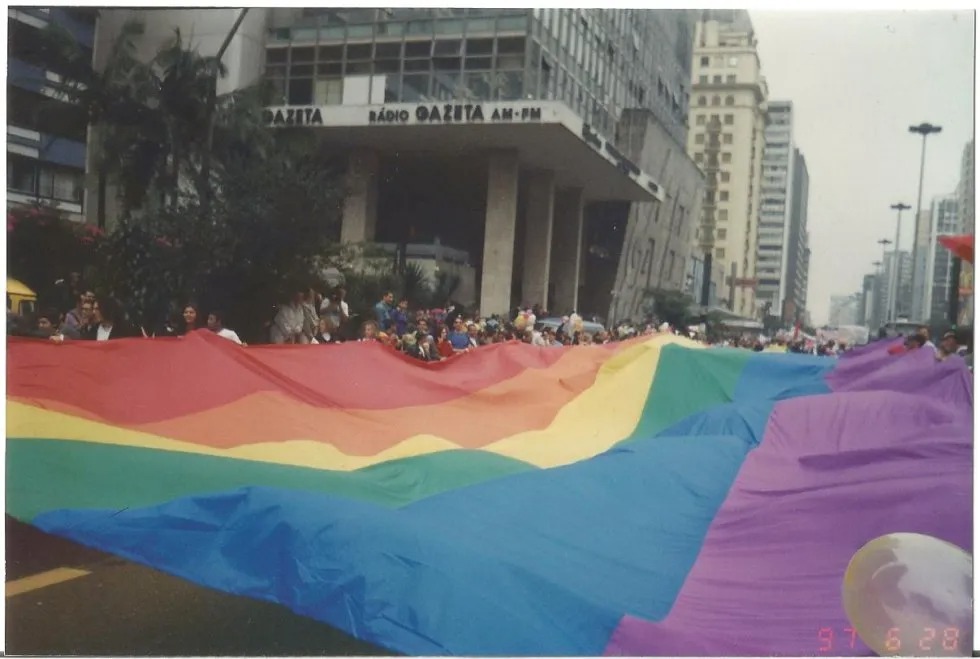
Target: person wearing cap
x=948, y=346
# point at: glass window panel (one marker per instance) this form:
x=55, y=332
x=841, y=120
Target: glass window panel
x=510, y=85
x=329, y=91
x=331, y=53
x=393, y=89
x=275, y=71
x=300, y=70
x=479, y=86
x=301, y=91
x=388, y=50
x=508, y=23
x=281, y=34
x=391, y=29
x=478, y=25
x=479, y=63
x=275, y=55
x=387, y=66
x=360, y=31
x=333, y=69
x=415, y=87
x=445, y=85
x=418, y=64
x=359, y=51
x=304, y=34
x=278, y=90
x=511, y=45
x=449, y=27
x=448, y=47
x=446, y=63
x=359, y=68
x=418, y=49
x=479, y=46
x=420, y=27
x=510, y=62
x=333, y=33
x=301, y=54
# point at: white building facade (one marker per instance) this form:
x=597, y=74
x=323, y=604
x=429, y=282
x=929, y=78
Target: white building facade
x=726, y=138
x=773, y=238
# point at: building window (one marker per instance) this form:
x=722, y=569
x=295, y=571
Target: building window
x=705, y=61
x=732, y=61
x=729, y=119
x=702, y=100
x=702, y=80
x=720, y=253
x=726, y=157
x=699, y=138
x=698, y=157
x=730, y=79
x=716, y=100
x=722, y=233
x=723, y=215
x=723, y=195
x=716, y=80
x=729, y=100
x=700, y=120
x=725, y=177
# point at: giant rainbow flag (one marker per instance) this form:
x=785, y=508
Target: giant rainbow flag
x=650, y=497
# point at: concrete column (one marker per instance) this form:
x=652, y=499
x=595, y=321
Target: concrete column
x=498, y=241
x=537, y=242
x=360, y=216
x=566, y=250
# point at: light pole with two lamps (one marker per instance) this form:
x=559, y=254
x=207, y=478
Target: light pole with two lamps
x=925, y=129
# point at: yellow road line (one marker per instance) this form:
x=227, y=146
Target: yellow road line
x=43, y=580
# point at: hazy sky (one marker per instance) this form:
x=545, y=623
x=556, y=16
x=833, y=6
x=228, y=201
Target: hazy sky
x=858, y=81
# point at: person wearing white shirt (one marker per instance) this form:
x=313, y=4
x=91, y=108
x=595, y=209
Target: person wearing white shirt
x=216, y=323
x=290, y=321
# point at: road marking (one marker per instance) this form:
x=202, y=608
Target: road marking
x=43, y=580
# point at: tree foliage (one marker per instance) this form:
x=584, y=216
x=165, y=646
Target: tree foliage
x=273, y=197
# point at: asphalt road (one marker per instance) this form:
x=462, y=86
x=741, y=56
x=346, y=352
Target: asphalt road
x=119, y=608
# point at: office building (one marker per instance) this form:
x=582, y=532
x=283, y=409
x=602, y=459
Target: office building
x=901, y=288
x=944, y=221
x=46, y=134
x=866, y=314
x=966, y=201
x=923, y=241
x=503, y=133
x=726, y=139
x=775, y=209
x=797, y=278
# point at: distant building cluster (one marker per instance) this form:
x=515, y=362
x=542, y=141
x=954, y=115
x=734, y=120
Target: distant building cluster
x=946, y=215
x=615, y=151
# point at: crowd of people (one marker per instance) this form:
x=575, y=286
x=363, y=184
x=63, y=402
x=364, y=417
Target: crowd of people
x=425, y=334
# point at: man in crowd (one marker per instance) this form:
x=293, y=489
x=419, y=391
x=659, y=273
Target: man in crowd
x=382, y=311
x=216, y=323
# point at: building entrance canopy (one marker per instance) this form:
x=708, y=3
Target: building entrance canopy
x=546, y=135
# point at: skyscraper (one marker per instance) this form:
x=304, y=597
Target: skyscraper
x=944, y=221
x=773, y=239
x=726, y=138
x=923, y=241
x=798, y=243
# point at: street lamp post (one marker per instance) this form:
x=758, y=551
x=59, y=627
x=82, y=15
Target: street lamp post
x=893, y=278
x=924, y=129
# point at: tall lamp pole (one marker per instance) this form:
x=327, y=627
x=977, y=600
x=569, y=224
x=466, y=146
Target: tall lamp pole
x=893, y=279
x=925, y=129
